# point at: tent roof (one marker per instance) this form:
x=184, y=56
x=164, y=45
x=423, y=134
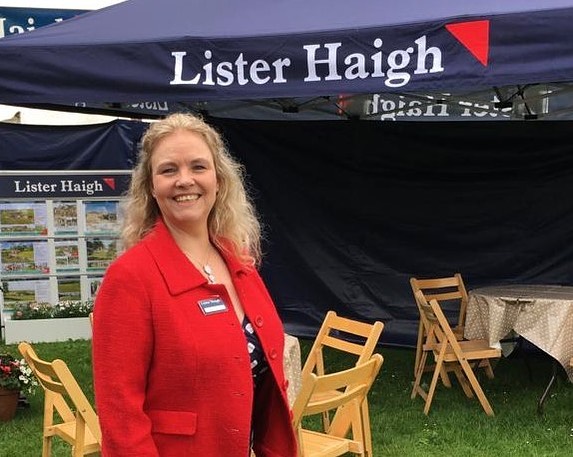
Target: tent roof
x=175, y=19
x=205, y=51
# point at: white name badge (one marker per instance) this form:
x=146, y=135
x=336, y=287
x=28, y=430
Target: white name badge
x=212, y=305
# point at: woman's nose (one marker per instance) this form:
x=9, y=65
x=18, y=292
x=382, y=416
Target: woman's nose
x=185, y=179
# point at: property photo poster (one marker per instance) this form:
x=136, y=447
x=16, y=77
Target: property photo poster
x=23, y=219
x=67, y=255
x=65, y=218
x=25, y=291
x=24, y=257
x=69, y=289
x=101, y=252
x=94, y=283
x=102, y=217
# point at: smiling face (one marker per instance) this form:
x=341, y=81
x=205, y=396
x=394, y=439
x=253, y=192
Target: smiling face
x=184, y=180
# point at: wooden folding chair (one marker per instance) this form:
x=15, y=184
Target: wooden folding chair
x=450, y=291
x=351, y=387
x=450, y=354
x=76, y=422
x=340, y=335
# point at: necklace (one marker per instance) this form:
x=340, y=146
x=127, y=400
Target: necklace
x=209, y=272
x=207, y=269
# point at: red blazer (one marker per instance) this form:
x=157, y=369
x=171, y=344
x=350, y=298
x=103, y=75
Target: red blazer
x=172, y=381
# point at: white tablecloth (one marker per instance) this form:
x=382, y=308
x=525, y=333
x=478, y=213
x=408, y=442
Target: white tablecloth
x=292, y=366
x=542, y=314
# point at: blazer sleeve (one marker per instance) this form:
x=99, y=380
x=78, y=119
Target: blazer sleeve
x=122, y=350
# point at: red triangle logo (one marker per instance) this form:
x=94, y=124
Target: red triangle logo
x=474, y=36
x=110, y=182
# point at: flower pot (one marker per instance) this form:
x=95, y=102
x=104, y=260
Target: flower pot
x=47, y=330
x=8, y=404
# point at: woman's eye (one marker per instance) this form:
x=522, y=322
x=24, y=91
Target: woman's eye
x=199, y=167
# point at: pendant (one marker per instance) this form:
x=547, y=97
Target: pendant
x=209, y=272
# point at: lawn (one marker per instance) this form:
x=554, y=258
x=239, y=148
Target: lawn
x=456, y=426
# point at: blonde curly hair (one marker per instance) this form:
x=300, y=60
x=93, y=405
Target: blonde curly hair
x=233, y=221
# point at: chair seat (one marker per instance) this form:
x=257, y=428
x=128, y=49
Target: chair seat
x=473, y=350
x=67, y=431
x=324, y=395
x=319, y=445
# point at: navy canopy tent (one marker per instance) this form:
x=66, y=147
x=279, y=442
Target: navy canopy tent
x=353, y=209
x=200, y=52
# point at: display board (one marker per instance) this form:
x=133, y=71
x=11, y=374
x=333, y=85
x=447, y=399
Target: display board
x=55, y=248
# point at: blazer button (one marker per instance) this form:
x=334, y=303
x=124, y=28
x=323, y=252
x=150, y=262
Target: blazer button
x=259, y=321
x=273, y=354
x=285, y=384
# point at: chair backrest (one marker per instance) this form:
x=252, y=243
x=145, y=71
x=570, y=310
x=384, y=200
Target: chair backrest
x=437, y=328
x=354, y=340
x=341, y=335
x=445, y=290
x=63, y=395
x=315, y=397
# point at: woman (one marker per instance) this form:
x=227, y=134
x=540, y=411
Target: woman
x=187, y=343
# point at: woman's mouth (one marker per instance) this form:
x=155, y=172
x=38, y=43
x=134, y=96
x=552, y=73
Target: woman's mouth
x=187, y=198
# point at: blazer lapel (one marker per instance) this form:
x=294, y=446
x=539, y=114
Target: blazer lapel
x=178, y=272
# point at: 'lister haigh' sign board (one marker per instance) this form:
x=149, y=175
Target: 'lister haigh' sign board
x=45, y=186
x=20, y=20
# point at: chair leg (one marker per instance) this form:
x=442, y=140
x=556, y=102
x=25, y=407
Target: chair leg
x=340, y=425
x=486, y=365
x=463, y=380
x=361, y=429
x=419, y=345
x=417, y=388
x=445, y=378
x=47, y=446
x=429, y=368
x=367, y=432
x=435, y=377
x=477, y=387
x=325, y=422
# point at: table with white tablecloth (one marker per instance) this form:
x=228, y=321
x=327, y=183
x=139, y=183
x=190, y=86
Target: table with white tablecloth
x=542, y=314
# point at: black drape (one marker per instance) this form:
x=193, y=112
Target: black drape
x=354, y=209
x=109, y=146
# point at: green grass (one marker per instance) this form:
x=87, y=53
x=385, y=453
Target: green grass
x=456, y=425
